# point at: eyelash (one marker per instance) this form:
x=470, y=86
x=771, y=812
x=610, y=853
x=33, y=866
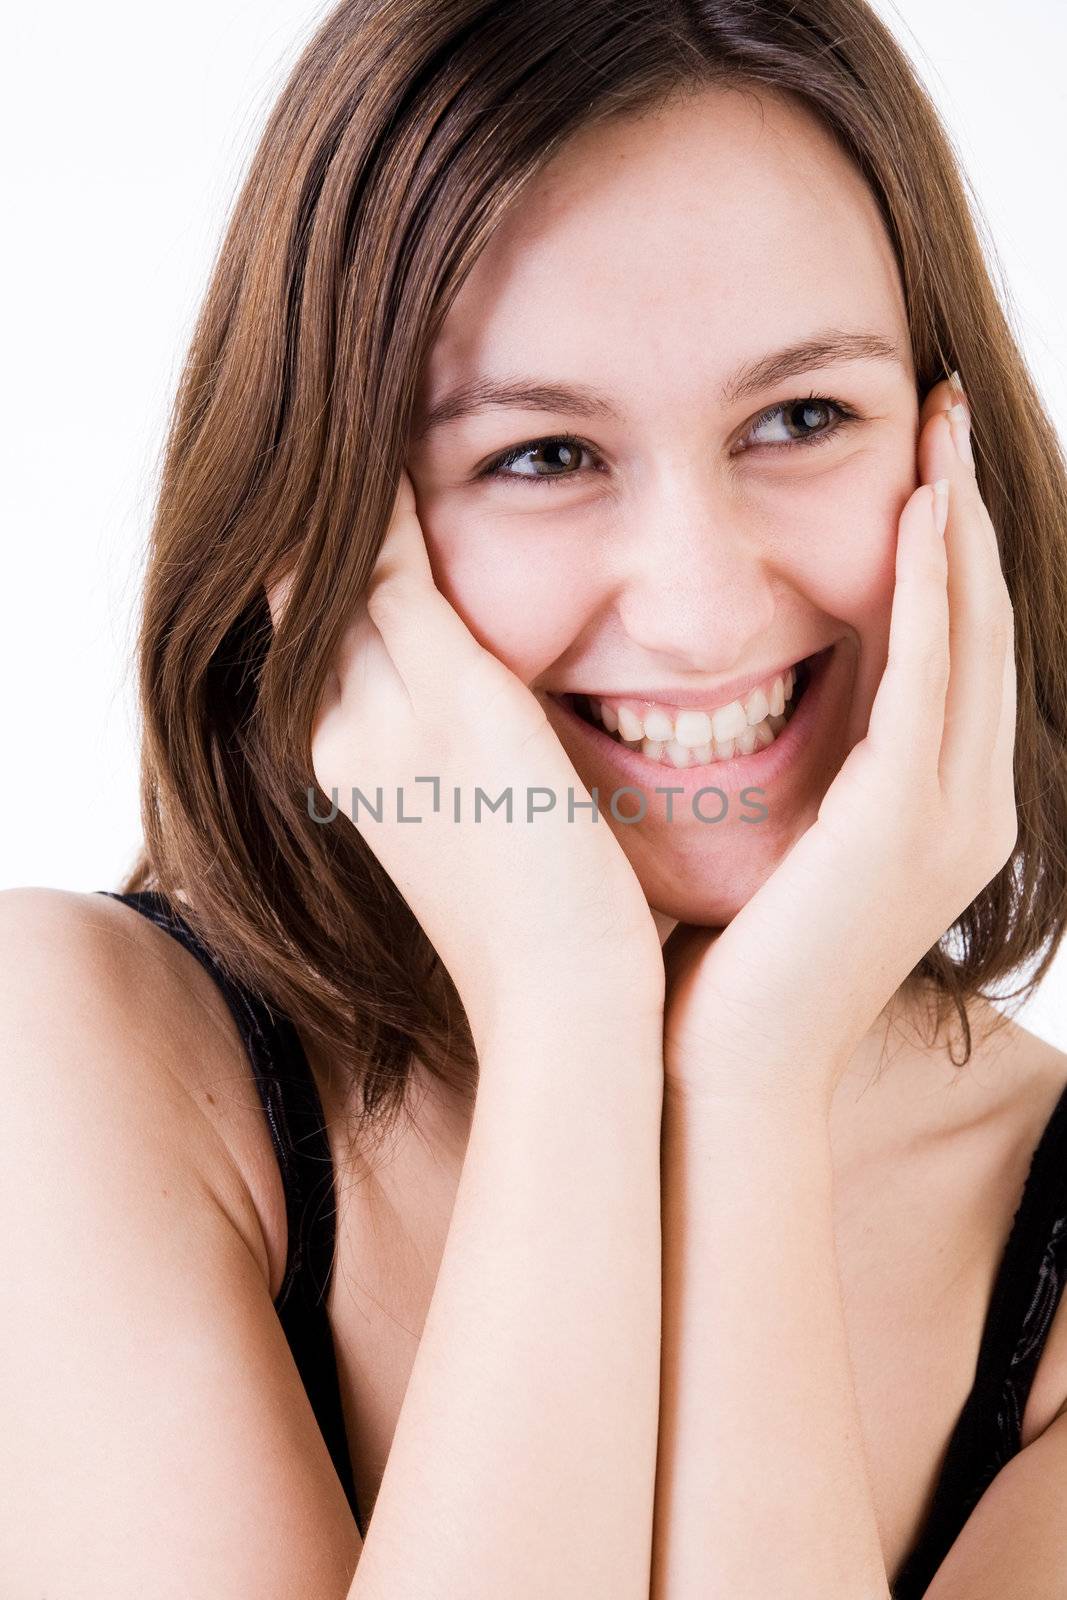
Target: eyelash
x=508, y=458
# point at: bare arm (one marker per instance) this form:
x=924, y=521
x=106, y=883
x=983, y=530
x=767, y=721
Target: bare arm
x=524, y=1460
x=763, y=1484
x=157, y=1437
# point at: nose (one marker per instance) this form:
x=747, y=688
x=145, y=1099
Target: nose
x=697, y=590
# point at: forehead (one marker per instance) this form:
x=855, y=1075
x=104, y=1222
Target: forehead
x=719, y=224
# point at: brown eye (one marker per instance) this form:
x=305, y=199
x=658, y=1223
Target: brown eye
x=559, y=455
x=804, y=422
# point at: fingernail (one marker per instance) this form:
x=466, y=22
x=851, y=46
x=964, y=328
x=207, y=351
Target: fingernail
x=941, y=505
x=959, y=419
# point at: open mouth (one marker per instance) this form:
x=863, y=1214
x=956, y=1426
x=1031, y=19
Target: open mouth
x=698, y=739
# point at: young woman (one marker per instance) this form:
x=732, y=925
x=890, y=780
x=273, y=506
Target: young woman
x=632, y=1192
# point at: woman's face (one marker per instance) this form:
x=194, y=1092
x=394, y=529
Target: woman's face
x=705, y=528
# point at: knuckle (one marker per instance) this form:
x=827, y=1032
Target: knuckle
x=931, y=661
x=483, y=685
x=929, y=567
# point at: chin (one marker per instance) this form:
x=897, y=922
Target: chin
x=704, y=885
x=713, y=907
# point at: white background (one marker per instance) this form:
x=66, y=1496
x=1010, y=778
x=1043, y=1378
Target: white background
x=128, y=130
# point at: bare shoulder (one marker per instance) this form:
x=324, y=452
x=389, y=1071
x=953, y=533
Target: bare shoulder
x=1026, y=1072
x=116, y=1006
x=151, y=1404
x=998, y=1104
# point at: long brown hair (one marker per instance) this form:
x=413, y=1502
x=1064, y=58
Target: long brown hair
x=404, y=131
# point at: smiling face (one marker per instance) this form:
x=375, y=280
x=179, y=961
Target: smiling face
x=705, y=523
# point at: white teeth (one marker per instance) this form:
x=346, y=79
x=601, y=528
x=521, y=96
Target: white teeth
x=693, y=728
x=693, y=738
x=758, y=707
x=658, y=725
x=630, y=725
x=728, y=721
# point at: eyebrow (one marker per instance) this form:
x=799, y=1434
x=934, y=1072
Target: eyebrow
x=829, y=348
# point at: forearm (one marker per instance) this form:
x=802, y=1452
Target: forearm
x=762, y=1486
x=523, y=1462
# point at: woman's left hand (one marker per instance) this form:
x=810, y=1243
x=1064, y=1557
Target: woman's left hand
x=919, y=819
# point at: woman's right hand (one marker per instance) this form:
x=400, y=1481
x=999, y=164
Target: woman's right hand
x=532, y=908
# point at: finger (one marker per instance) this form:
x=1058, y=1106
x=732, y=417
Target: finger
x=365, y=695
x=948, y=395
x=403, y=557
x=1004, y=747
x=938, y=398
x=979, y=628
x=951, y=401
x=424, y=636
x=907, y=718
x=366, y=689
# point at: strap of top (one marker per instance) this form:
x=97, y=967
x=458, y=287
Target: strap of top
x=1026, y=1292
x=294, y=1113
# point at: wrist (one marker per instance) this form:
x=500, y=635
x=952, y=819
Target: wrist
x=747, y=1093
x=572, y=1010
x=609, y=988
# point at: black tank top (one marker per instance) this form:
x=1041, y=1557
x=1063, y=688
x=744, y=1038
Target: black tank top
x=1026, y=1291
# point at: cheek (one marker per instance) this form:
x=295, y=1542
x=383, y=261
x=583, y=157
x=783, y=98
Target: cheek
x=841, y=551
x=848, y=572
x=519, y=596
